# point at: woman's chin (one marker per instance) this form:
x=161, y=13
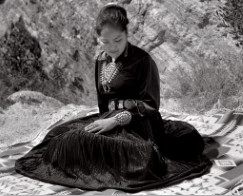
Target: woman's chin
x=115, y=56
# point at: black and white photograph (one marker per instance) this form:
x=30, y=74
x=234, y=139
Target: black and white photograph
x=121, y=97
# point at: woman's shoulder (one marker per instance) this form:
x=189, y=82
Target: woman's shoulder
x=141, y=56
x=139, y=53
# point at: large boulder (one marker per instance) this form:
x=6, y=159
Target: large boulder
x=31, y=114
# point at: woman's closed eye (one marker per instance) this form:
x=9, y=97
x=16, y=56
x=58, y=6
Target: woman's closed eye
x=118, y=40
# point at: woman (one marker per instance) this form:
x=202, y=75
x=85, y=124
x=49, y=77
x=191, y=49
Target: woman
x=127, y=146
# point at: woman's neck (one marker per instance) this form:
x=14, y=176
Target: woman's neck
x=113, y=59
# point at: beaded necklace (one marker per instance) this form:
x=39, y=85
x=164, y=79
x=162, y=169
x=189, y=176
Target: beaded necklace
x=108, y=73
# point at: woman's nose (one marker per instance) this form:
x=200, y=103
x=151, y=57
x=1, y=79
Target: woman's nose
x=113, y=47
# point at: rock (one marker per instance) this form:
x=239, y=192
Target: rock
x=35, y=98
x=32, y=114
x=176, y=33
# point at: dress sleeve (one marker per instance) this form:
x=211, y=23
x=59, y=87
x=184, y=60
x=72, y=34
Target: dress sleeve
x=148, y=89
x=102, y=100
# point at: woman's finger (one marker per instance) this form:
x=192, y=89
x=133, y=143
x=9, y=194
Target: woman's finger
x=90, y=126
x=94, y=129
x=101, y=131
x=87, y=128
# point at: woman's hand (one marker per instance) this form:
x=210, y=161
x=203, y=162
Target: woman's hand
x=101, y=126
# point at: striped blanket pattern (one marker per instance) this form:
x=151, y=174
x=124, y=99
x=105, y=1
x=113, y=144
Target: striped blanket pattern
x=222, y=132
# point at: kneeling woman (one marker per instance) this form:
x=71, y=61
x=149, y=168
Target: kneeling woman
x=127, y=145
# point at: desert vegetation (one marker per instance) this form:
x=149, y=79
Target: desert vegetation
x=22, y=69
x=197, y=45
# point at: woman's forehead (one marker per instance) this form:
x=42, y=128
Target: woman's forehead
x=111, y=33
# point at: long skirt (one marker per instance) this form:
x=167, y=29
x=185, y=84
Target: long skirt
x=148, y=153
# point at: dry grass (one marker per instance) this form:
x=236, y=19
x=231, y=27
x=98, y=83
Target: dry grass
x=201, y=87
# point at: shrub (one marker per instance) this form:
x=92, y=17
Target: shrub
x=22, y=69
x=205, y=86
x=231, y=14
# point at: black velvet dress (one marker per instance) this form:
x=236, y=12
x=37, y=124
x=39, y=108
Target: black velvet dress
x=148, y=152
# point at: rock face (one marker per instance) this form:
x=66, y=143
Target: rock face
x=66, y=42
x=197, y=59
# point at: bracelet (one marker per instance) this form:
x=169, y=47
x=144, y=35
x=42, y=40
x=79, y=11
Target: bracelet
x=123, y=118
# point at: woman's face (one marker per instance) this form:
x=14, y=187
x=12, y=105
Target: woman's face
x=113, y=41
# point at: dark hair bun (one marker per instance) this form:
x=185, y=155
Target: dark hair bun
x=113, y=15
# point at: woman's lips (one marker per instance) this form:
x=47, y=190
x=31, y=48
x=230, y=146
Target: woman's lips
x=114, y=52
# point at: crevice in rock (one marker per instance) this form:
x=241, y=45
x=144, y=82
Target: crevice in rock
x=157, y=41
x=140, y=15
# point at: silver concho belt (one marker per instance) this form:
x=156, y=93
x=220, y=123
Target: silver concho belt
x=142, y=107
x=116, y=104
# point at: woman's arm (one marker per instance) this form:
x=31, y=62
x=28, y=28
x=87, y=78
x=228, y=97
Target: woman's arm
x=149, y=82
x=100, y=125
x=102, y=101
x=149, y=89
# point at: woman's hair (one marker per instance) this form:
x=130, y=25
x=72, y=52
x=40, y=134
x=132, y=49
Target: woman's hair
x=113, y=15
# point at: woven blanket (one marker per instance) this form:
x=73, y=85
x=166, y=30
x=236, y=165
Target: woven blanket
x=222, y=132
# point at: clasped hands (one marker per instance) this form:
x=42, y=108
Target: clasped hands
x=101, y=125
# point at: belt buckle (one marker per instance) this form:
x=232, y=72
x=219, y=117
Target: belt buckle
x=115, y=104
x=111, y=105
x=120, y=104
